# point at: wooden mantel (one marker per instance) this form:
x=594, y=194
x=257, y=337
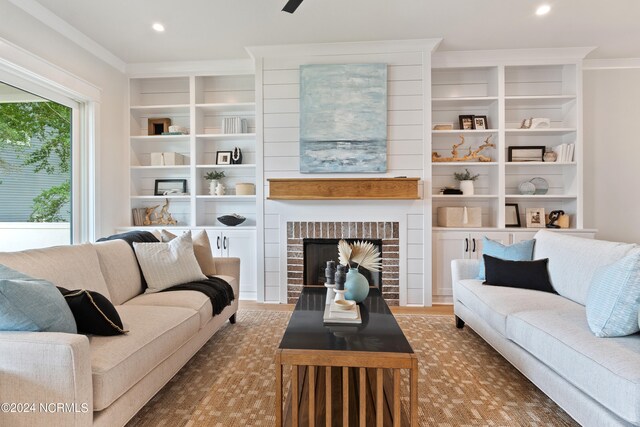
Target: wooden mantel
x=343, y=189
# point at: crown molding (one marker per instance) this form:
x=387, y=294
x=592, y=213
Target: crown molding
x=214, y=67
x=611, y=64
x=509, y=57
x=53, y=21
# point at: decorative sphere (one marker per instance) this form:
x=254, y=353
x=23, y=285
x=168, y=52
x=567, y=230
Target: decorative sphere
x=356, y=286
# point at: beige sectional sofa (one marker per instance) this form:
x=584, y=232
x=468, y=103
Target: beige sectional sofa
x=103, y=381
x=547, y=337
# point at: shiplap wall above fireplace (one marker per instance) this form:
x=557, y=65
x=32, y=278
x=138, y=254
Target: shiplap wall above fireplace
x=408, y=129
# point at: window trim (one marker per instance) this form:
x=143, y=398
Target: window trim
x=27, y=71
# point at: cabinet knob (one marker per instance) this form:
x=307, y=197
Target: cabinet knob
x=466, y=244
x=218, y=242
x=224, y=242
x=474, y=245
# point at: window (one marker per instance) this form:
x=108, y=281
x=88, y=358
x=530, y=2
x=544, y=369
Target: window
x=35, y=168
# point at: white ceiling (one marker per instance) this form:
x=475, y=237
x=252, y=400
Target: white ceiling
x=220, y=29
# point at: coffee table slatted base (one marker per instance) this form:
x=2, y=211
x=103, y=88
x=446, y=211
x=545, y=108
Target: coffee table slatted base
x=345, y=389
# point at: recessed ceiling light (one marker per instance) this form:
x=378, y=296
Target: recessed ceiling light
x=158, y=27
x=543, y=10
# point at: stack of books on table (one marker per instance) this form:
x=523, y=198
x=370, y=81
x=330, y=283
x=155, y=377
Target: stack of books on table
x=333, y=314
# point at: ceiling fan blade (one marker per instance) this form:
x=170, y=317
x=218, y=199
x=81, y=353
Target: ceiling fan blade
x=291, y=6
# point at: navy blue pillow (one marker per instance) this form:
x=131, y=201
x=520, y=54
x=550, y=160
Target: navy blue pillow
x=518, y=274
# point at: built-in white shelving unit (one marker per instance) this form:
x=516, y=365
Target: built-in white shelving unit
x=506, y=88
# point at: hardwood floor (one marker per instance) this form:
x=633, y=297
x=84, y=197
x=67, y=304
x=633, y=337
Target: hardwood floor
x=441, y=309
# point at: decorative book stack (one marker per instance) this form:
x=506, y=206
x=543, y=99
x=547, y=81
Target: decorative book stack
x=234, y=125
x=335, y=314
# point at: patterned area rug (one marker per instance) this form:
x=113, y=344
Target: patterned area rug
x=463, y=381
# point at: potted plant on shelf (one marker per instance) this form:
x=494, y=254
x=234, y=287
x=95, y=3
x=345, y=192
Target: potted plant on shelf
x=466, y=181
x=213, y=178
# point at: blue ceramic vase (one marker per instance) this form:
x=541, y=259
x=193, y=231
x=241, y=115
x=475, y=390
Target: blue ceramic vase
x=356, y=286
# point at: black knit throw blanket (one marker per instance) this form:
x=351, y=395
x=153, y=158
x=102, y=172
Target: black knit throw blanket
x=218, y=290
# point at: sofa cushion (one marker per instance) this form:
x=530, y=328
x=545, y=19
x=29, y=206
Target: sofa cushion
x=614, y=298
x=120, y=270
x=168, y=264
x=495, y=303
x=28, y=304
x=187, y=299
x=574, y=260
x=521, y=251
x=201, y=249
x=518, y=274
x=71, y=267
x=608, y=370
x=119, y=362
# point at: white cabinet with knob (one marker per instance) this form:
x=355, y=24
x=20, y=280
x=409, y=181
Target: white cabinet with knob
x=450, y=245
x=238, y=244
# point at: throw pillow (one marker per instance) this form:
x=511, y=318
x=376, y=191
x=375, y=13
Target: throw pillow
x=532, y=275
x=28, y=304
x=613, y=300
x=93, y=312
x=201, y=248
x=521, y=251
x=168, y=264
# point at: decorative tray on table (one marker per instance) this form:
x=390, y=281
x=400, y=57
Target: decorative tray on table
x=336, y=314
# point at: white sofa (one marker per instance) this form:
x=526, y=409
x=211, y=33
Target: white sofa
x=546, y=336
x=103, y=381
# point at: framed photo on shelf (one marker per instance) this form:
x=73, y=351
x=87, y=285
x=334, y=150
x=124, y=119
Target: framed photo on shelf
x=466, y=122
x=223, y=158
x=530, y=153
x=535, y=218
x=480, y=122
x=511, y=215
x=158, y=126
x=165, y=187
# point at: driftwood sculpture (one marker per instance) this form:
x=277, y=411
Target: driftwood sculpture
x=473, y=154
x=163, y=218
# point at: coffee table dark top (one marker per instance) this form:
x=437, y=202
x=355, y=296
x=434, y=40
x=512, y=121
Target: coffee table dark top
x=379, y=330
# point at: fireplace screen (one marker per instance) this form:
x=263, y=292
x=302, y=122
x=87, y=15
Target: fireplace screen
x=316, y=253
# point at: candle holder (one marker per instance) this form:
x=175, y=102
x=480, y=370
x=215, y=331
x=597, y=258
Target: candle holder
x=331, y=293
x=339, y=294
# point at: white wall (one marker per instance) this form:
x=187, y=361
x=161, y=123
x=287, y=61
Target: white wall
x=612, y=153
x=408, y=87
x=30, y=34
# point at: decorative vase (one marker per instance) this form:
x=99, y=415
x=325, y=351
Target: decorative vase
x=466, y=187
x=550, y=155
x=212, y=187
x=356, y=286
x=220, y=190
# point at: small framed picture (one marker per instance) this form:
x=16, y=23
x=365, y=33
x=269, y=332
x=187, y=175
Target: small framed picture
x=466, y=122
x=531, y=153
x=480, y=122
x=158, y=126
x=535, y=218
x=165, y=187
x=511, y=215
x=223, y=158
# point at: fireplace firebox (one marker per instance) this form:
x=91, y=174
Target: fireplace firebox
x=316, y=253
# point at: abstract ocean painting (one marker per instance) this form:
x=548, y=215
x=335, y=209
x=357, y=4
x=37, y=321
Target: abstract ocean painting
x=343, y=118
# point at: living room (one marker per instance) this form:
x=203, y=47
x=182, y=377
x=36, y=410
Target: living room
x=225, y=120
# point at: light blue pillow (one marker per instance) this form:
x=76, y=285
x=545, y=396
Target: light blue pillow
x=28, y=304
x=521, y=251
x=614, y=298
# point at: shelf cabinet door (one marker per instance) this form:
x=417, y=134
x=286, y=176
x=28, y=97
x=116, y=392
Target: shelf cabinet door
x=447, y=246
x=242, y=244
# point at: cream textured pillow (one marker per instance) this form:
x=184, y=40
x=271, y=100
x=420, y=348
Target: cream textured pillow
x=168, y=264
x=201, y=247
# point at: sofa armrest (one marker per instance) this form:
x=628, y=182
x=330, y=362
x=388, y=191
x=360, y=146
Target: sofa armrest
x=462, y=269
x=229, y=267
x=48, y=376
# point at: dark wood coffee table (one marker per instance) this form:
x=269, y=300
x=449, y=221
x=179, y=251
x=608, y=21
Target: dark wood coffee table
x=345, y=375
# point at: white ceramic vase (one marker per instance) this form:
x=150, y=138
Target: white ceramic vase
x=220, y=190
x=212, y=187
x=466, y=187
